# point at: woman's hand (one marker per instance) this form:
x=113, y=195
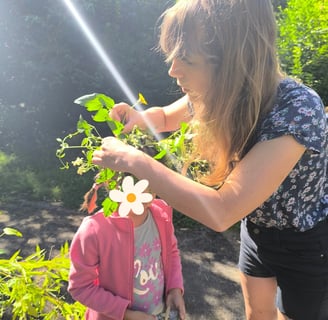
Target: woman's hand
x=116, y=155
x=175, y=301
x=128, y=116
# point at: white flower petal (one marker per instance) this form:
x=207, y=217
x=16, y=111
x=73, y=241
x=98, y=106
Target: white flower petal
x=138, y=208
x=124, y=209
x=128, y=184
x=116, y=195
x=145, y=197
x=141, y=185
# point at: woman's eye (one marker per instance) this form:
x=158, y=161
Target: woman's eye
x=187, y=60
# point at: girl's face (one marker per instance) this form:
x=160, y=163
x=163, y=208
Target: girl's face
x=193, y=74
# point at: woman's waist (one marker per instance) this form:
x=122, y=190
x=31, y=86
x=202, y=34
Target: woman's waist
x=258, y=228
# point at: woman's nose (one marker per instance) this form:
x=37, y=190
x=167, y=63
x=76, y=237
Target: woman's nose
x=176, y=70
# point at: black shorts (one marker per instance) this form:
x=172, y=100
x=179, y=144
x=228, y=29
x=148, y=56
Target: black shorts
x=299, y=262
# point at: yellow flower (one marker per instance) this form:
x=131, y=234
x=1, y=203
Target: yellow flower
x=142, y=99
x=132, y=196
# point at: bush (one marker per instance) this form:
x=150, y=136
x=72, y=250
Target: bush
x=35, y=288
x=303, y=43
x=42, y=183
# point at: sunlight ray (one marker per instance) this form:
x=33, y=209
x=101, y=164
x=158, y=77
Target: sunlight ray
x=94, y=42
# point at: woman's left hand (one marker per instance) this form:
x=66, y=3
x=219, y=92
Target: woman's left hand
x=116, y=155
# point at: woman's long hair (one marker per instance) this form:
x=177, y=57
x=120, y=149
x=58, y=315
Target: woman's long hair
x=238, y=37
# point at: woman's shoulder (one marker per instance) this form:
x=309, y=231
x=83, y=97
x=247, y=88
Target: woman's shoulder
x=292, y=91
x=295, y=102
x=298, y=111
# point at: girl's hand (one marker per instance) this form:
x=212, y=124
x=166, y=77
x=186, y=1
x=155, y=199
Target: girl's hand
x=128, y=116
x=175, y=300
x=137, y=315
x=116, y=155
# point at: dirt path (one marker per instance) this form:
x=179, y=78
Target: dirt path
x=212, y=290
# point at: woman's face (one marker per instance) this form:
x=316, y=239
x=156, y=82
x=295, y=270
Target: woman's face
x=193, y=75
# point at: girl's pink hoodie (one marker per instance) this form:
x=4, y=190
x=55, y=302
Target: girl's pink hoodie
x=102, y=257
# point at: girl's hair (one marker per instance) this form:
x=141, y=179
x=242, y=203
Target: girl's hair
x=238, y=37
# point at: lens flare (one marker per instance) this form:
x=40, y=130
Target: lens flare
x=104, y=56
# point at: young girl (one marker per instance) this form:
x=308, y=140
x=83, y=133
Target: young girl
x=265, y=137
x=123, y=266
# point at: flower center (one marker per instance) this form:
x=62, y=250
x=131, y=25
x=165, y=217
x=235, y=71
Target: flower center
x=131, y=197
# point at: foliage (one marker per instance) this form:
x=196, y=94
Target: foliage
x=303, y=42
x=9, y=232
x=279, y=4
x=170, y=151
x=19, y=178
x=32, y=288
x=43, y=182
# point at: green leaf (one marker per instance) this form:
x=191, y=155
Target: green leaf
x=106, y=101
x=12, y=232
x=160, y=155
x=105, y=176
x=15, y=256
x=115, y=126
x=64, y=248
x=90, y=101
x=84, y=126
x=101, y=115
x=109, y=207
x=89, y=156
x=95, y=101
x=85, y=142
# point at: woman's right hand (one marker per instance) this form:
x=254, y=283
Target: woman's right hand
x=128, y=116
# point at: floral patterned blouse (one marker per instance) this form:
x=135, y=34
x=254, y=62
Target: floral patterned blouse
x=301, y=201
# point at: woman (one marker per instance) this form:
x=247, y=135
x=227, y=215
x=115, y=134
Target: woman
x=264, y=136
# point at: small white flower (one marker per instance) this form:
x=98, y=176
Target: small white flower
x=77, y=162
x=132, y=196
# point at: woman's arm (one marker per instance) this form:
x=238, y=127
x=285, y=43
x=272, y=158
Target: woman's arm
x=252, y=181
x=176, y=113
x=158, y=119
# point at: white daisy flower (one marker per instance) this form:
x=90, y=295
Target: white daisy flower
x=132, y=196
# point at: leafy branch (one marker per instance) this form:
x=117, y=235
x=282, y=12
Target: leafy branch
x=170, y=151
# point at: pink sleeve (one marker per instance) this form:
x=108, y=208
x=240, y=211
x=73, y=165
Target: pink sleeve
x=83, y=276
x=176, y=278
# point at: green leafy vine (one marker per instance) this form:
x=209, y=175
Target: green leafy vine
x=171, y=151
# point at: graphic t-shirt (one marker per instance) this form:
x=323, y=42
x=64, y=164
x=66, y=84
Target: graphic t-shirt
x=148, y=292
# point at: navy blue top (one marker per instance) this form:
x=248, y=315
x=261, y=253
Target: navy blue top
x=301, y=201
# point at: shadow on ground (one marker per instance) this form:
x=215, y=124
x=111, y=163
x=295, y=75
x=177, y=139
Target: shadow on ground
x=212, y=290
